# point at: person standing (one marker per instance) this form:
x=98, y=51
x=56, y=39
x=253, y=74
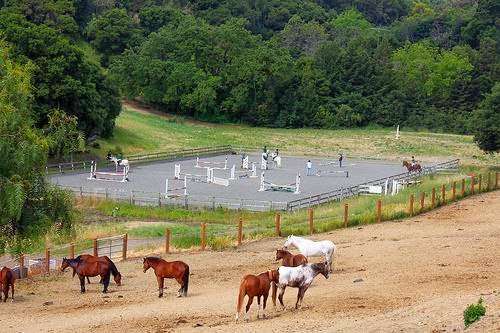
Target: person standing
x=308, y=168
x=341, y=158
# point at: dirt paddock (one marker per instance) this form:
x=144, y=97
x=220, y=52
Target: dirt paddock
x=418, y=275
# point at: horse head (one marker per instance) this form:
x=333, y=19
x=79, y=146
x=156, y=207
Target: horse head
x=280, y=254
x=145, y=264
x=288, y=242
x=118, y=279
x=322, y=268
x=64, y=264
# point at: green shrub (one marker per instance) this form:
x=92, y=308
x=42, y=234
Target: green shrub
x=474, y=312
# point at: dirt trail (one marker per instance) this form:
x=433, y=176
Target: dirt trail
x=418, y=276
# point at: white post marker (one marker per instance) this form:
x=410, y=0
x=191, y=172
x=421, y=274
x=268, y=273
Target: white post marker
x=397, y=132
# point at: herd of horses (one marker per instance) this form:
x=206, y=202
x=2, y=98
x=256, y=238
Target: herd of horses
x=295, y=272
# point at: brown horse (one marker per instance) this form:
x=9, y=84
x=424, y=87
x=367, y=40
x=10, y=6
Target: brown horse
x=7, y=280
x=290, y=260
x=89, y=258
x=259, y=286
x=89, y=269
x=177, y=270
x=412, y=167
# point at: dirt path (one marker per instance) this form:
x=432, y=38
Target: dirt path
x=418, y=276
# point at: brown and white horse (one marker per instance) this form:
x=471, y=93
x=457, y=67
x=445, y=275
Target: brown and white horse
x=299, y=277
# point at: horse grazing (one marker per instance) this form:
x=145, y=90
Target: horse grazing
x=91, y=268
x=118, y=162
x=177, y=270
x=290, y=260
x=412, y=167
x=298, y=277
x=7, y=280
x=252, y=285
x=311, y=248
x=90, y=258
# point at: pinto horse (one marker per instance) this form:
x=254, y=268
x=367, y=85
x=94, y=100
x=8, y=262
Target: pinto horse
x=412, y=167
x=290, y=260
x=90, y=258
x=89, y=269
x=311, y=248
x=259, y=286
x=298, y=277
x=7, y=280
x=177, y=270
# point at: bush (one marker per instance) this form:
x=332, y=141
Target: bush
x=474, y=312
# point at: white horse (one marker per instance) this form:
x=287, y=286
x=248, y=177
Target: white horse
x=118, y=162
x=311, y=248
x=298, y=277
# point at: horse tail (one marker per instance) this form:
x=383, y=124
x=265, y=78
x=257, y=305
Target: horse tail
x=241, y=296
x=185, y=280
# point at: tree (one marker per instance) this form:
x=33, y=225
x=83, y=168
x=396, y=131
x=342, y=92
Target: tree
x=112, y=32
x=63, y=135
x=487, y=122
x=62, y=77
x=28, y=204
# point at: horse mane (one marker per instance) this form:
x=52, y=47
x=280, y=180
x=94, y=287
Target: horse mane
x=153, y=259
x=319, y=266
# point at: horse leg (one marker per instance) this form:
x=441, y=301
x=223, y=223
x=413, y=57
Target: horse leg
x=179, y=281
x=88, y=280
x=264, y=305
x=105, y=280
x=258, y=307
x=299, y=292
x=250, y=300
x=280, y=297
x=82, y=283
x=5, y=292
x=302, y=295
x=160, y=286
x=12, y=291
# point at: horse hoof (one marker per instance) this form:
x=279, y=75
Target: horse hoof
x=160, y=296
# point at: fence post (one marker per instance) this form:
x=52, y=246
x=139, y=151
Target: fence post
x=346, y=215
x=480, y=185
x=159, y=199
x=167, y=240
x=203, y=236
x=125, y=247
x=496, y=179
x=462, y=190
x=21, y=266
x=453, y=190
x=433, y=197
x=443, y=194
x=489, y=181
x=311, y=220
x=240, y=230
x=277, y=222
x=410, y=210
x=422, y=201
x=472, y=184
x=72, y=251
x=379, y=210
x=47, y=260
x=95, y=247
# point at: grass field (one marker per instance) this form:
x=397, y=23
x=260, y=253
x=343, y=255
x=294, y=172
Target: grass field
x=140, y=131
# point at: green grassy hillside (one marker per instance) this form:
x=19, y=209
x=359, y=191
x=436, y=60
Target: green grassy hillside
x=139, y=131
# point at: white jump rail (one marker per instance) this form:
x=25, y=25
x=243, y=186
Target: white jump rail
x=120, y=177
x=178, y=175
x=173, y=192
x=217, y=180
x=212, y=165
x=252, y=173
x=268, y=186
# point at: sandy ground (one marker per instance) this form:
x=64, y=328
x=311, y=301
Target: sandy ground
x=418, y=276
